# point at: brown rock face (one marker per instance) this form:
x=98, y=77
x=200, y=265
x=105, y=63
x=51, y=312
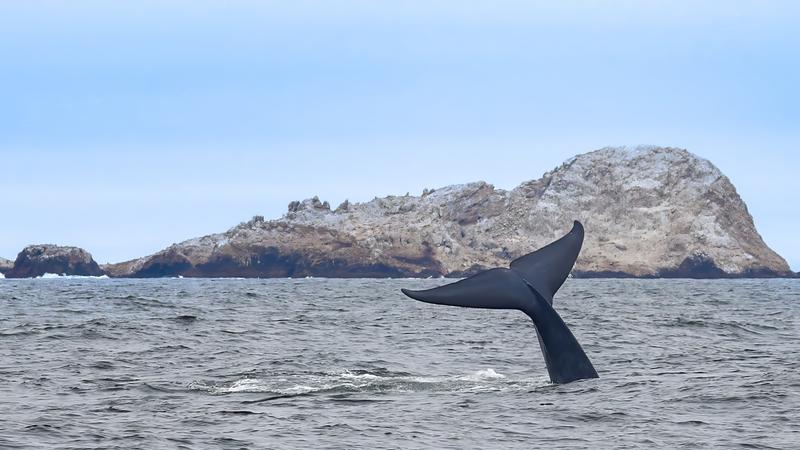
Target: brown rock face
x=648, y=212
x=36, y=260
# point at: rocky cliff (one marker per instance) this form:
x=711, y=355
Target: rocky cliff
x=648, y=212
x=36, y=260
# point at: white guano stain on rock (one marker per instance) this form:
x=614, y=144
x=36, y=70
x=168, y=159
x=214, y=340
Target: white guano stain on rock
x=647, y=211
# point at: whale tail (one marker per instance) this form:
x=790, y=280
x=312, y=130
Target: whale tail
x=493, y=289
x=529, y=286
x=546, y=269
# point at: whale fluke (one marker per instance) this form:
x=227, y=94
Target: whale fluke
x=529, y=286
x=546, y=269
x=494, y=289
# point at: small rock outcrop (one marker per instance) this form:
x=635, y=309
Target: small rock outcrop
x=37, y=260
x=648, y=212
x=5, y=265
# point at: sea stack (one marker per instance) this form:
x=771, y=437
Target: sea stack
x=37, y=260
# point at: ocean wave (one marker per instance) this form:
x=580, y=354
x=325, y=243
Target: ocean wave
x=305, y=358
x=49, y=276
x=362, y=381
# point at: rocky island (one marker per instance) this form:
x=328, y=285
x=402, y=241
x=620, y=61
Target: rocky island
x=648, y=212
x=37, y=260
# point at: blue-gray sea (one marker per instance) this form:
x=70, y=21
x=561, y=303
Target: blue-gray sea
x=324, y=363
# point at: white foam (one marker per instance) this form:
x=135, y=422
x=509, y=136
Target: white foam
x=345, y=380
x=246, y=385
x=1, y=275
x=49, y=276
x=254, y=385
x=484, y=374
x=258, y=385
x=358, y=376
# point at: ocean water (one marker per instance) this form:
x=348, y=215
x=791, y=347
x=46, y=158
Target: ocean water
x=322, y=363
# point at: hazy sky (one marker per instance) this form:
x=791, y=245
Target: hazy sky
x=127, y=127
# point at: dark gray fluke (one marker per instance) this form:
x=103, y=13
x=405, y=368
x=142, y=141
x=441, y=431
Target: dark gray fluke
x=529, y=286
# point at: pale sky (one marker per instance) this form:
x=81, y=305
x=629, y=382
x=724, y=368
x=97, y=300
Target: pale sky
x=125, y=127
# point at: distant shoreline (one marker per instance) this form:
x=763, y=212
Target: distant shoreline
x=649, y=212
x=580, y=277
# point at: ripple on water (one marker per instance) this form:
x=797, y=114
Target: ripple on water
x=195, y=363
